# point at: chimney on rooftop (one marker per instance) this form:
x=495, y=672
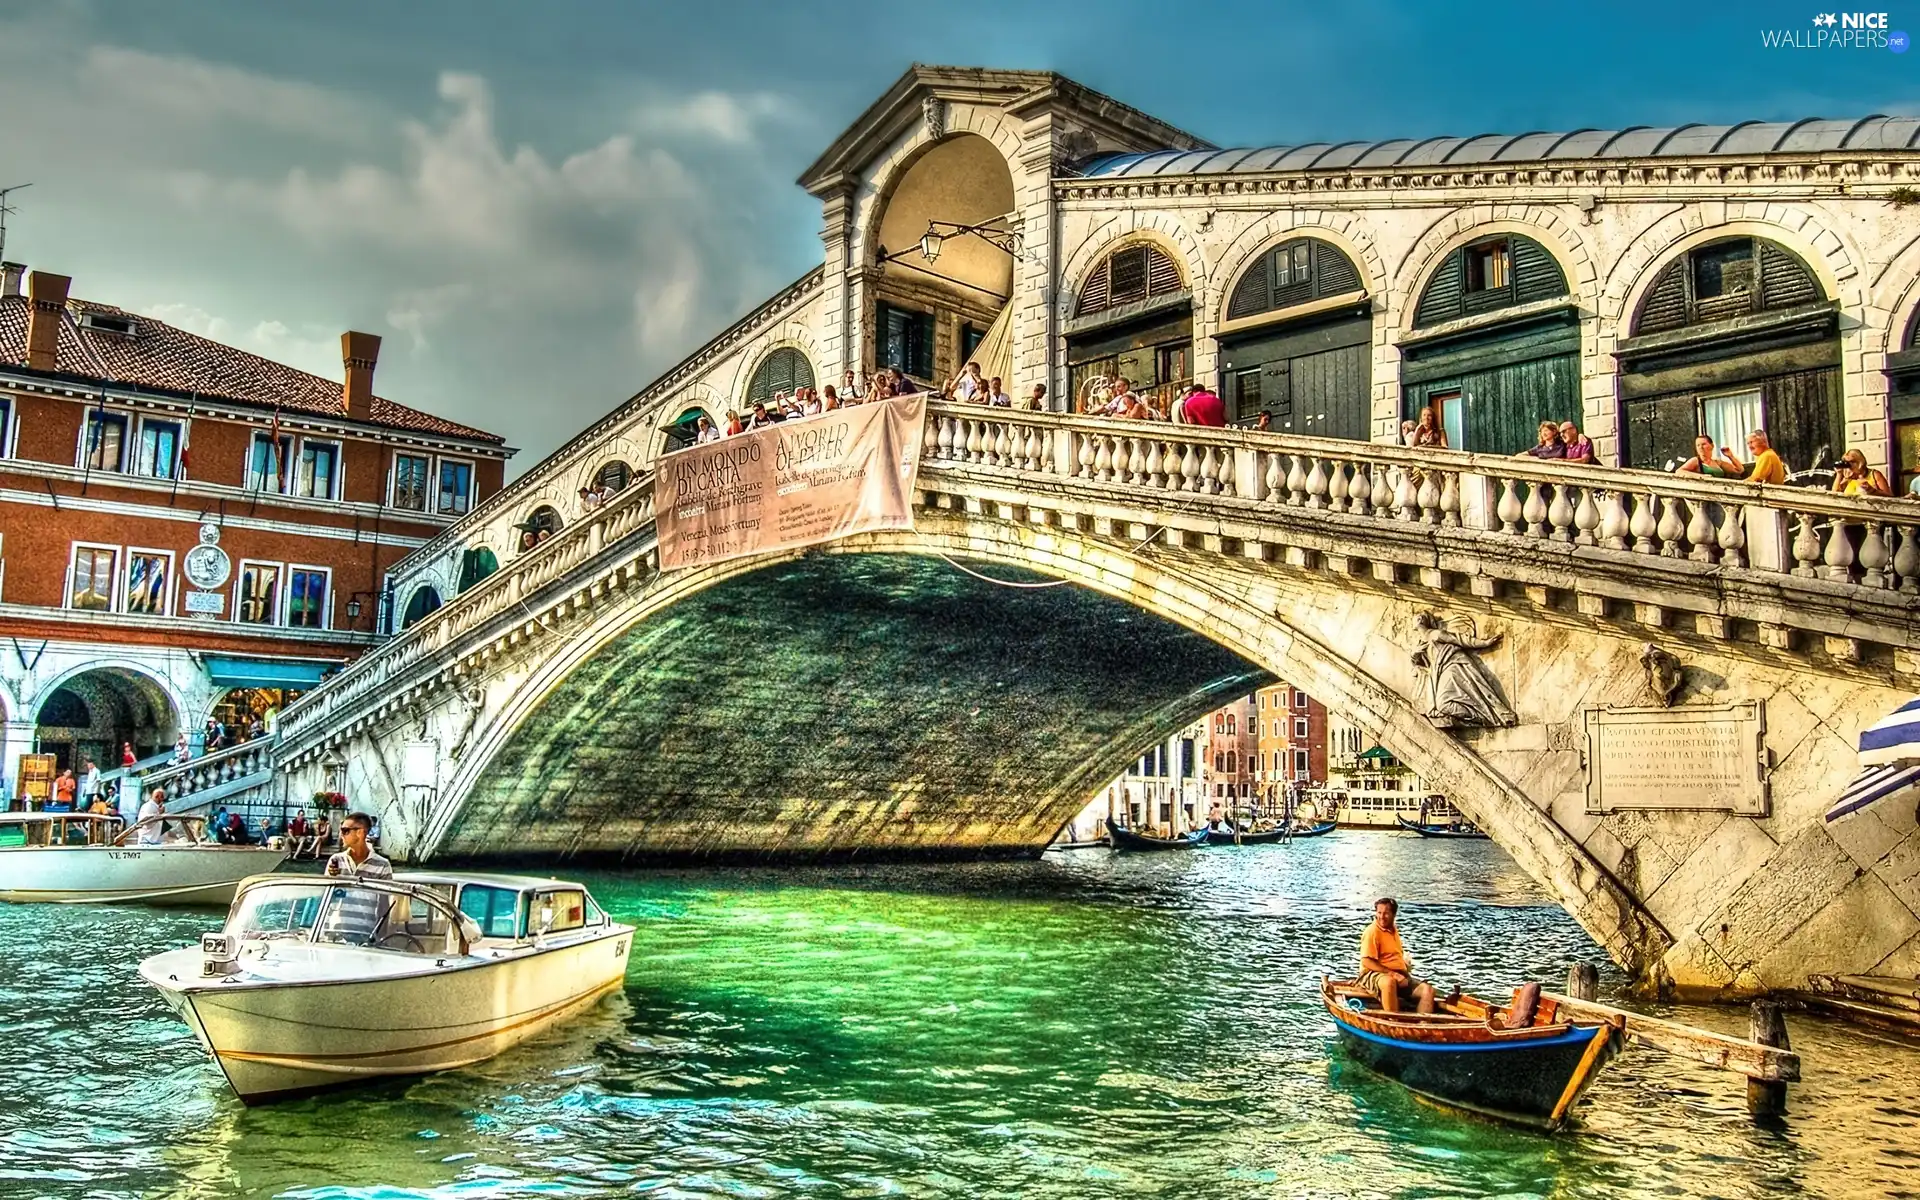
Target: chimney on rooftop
x=360, y=351
x=49, y=299
x=10, y=274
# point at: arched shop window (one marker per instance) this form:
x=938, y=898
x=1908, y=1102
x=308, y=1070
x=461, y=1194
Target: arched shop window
x=1491, y=381
x=423, y=601
x=613, y=477
x=1732, y=336
x=1310, y=372
x=684, y=430
x=541, y=524
x=1903, y=407
x=782, y=371
x=1133, y=318
x=476, y=564
x=1129, y=276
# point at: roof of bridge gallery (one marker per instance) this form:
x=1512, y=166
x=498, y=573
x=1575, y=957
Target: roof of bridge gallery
x=1748, y=138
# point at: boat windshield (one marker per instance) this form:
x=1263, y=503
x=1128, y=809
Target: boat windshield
x=383, y=920
x=277, y=910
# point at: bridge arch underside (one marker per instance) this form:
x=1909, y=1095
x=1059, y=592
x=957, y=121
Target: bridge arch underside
x=843, y=705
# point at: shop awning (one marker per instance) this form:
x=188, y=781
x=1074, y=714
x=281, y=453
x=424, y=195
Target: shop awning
x=1890, y=758
x=300, y=673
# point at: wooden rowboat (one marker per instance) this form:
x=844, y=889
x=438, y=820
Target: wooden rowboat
x=1461, y=1055
x=1127, y=839
x=1462, y=830
x=1242, y=837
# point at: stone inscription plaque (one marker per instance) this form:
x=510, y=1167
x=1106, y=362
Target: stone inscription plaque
x=1709, y=758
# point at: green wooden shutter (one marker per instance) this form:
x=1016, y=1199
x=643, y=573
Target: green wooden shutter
x=1250, y=295
x=1442, y=299
x=1803, y=417
x=1096, y=295
x=1536, y=273
x=1334, y=273
x=1665, y=304
x=1784, y=279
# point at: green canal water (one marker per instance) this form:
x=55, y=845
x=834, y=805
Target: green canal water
x=1086, y=1025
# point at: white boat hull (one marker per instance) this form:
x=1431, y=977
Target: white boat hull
x=183, y=874
x=278, y=1037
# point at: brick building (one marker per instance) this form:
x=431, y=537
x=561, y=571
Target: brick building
x=189, y=530
x=1292, y=746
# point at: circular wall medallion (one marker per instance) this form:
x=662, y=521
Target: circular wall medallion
x=210, y=534
x=207, y=566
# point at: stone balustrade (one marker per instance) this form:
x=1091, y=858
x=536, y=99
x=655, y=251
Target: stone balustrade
x=504, y=592
x=1869, y=542
x=182, y=782
x=1362, y=501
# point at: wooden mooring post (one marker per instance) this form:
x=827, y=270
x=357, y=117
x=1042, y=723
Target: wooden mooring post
x=1765, y=1059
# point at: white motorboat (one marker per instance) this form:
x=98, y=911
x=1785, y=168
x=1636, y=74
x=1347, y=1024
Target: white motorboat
x=87, y=858
x=317, y=982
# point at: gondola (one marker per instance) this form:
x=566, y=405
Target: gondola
x=1462, y=830
x=1229, y=837
x=1319, y=830
x=1461, y=1055
x=1127, y=839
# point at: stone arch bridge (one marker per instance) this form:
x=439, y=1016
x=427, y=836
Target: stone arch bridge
x=930, y=692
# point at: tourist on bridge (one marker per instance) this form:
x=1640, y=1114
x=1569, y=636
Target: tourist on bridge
x=734, y=424
x=182, y=753
x=1385, y=969
x=997, y=395
x=1038, y=400
x=1203, y=407
x=704, y=431
x=1548, y=445
x=90, y=782
x=127, y=758
x=1855, y=478
x=1716, y=464
x=1427, y=430
x=968, y=385
x=850, y=388
x=1766, y=467
x=1579, y=446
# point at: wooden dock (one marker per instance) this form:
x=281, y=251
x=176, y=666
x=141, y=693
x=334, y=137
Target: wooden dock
x=1766, y=1064
x=1885, y=1002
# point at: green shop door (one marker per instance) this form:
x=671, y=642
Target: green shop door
x=1507, y=383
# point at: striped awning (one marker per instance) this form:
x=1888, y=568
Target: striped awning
x=1876, y=783
x=1890, y=752
x=1893, y=738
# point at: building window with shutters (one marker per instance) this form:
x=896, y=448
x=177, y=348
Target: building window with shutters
x=410, y=482
x=1308, y=368
x=1491, y=376
x=1487, y=266
x=1133, y=320
x=1732, y=336
x=784, y=370
x=905, y=340
x=158, y=452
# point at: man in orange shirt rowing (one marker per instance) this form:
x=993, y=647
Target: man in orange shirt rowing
x=1384, y=967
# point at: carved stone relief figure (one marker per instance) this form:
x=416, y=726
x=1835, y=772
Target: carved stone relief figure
x=1456, y=689
x=933, y=110
x=1664, y=674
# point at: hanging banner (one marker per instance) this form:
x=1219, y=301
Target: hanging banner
x=795, y=483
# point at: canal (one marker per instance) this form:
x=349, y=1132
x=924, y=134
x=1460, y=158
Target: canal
x=1086, y=1025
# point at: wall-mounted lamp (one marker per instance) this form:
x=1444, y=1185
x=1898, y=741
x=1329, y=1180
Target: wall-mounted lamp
x=1006, y=241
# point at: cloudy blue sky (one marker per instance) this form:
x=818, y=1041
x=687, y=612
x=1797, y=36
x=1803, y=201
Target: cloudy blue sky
x=541, y=207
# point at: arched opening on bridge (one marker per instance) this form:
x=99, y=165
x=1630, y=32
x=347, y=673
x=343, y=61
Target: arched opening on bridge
x=946, y=265
x=684, y=430
x=1488, y=353
x=1732, y=336
x=1132, y=320
x=541, y=524
x=781, y=373
x=1903, y=410
x=425, y=599
x=476, y=563
x=1296, y=342
x=92, y=714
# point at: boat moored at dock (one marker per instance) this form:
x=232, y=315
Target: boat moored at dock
x=317, y=982
x=1522, y=1063
x=1128, y=839
x=89, y=858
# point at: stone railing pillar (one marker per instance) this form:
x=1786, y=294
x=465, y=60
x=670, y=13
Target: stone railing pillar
x=1477, y=498
x=1247, y=479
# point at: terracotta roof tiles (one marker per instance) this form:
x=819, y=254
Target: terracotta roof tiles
x=159, y=356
